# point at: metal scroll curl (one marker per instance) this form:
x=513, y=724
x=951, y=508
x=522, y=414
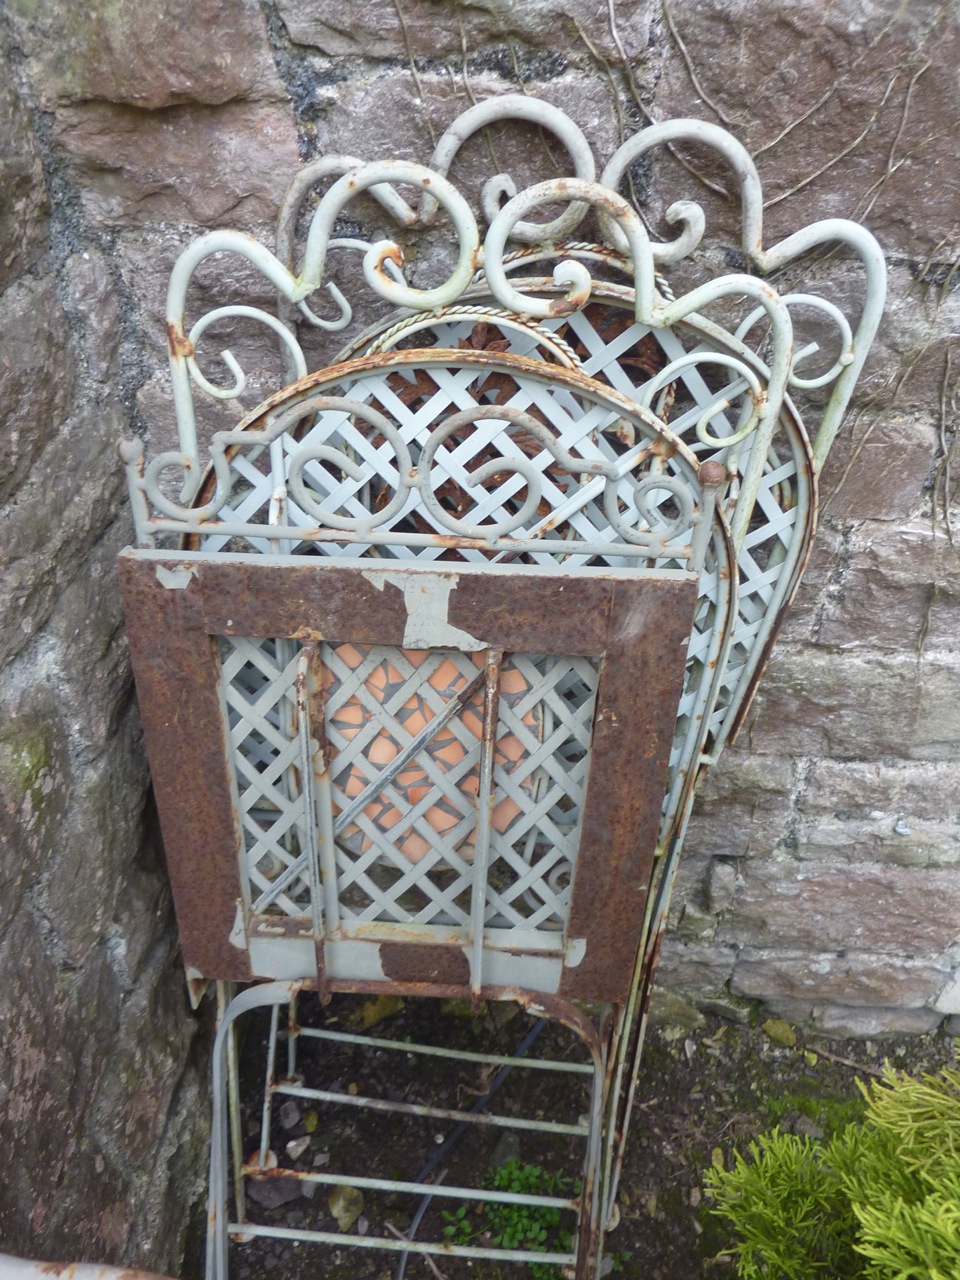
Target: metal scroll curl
x=621, y=226
x=501, y=187
x=377, y=262
x=828, y=231
x=491, y=476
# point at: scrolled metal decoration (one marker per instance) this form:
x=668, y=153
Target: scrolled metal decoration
x=185, y=510
x=660, y=530
x=322, y=452
x=517, y=465
x=570, y=273
x=832, y=311
x=492, y=436
x=723, y=402
x=382, y=251
x=495, y=268
x=287, y=338
x=515, y=106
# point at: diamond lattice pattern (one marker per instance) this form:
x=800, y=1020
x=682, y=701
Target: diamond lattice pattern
x=404, y=730
x=408, y=853
x=259, y=692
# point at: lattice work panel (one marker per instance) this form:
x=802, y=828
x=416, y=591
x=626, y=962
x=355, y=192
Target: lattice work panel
x=620, y=352
x=405, y=836
x=429, y=459
x=477, y=478
x=405, y=855
x=532, y=861
x=617, y=350
x=258, y=678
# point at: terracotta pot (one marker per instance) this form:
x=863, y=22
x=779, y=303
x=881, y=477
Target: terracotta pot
x=447, y=750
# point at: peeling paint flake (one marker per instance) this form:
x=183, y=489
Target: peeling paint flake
x=427, y=600
x=175, y=579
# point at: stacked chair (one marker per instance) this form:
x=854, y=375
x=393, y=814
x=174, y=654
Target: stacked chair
x=433, y=647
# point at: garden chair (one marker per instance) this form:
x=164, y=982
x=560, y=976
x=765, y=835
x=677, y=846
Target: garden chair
x=433, y=646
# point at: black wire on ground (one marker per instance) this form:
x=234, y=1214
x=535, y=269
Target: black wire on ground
x=437, y=1157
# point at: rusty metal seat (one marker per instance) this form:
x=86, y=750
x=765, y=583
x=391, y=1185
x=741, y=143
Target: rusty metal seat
x=433, y=650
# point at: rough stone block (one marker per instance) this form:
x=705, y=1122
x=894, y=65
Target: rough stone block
x=34, y=787
x=172, y=1188
x=742, y=806
x=667, y=1009
x=897, y=589
x=948, y=997
x=878, y=471
x=846, y=705
x=150, y=55
x=689, y=885
x=851, y=68
x=77, y=891
x=864, y=907
x=55, y=1049
x=181, y=164
x=92, y=299
x=76, y=479
x=938, y=721
x=844, y=1022
x=818, y=585
x=877, y=789
x=37, y=376
x=433, y=29
x=694, y=969
x=903, y=814
x=855, y=978
x=24, y=207
x=721, y=885
x=89, y=663
x=153, y=1038
x=72, y=762
x=892, y=841
x=906, y=368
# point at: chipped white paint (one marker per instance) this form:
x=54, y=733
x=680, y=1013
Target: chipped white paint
x=175, y=579
x=12, y=1268
x=426, y=597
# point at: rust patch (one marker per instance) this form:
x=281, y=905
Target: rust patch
x=177, y=671
x=562, y=307
x=640, y=684
x=179, y=345
x=712, y=474
x=405, y=962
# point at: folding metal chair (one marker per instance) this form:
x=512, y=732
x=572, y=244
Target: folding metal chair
x=433, y=650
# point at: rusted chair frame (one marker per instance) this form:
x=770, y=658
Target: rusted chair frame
x=757, y=472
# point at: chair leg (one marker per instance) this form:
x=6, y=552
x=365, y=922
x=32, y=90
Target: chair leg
x=583, y=1261
x=218, y=1217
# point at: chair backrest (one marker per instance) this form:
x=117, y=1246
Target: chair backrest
x=433, y=650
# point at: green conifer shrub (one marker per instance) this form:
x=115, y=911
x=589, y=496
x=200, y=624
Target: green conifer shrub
x=880, y=1199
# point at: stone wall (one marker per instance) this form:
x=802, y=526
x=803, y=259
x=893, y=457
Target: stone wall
x=821, y=872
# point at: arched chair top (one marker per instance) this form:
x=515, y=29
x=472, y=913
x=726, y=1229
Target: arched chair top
x=599, y=240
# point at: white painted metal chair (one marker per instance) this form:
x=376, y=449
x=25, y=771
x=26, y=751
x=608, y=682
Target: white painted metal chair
x=433, y=649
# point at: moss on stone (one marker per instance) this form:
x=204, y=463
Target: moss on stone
x=25, y=763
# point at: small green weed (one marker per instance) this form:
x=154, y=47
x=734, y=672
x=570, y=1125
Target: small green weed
x=534, y=1227
x=457, y=1228
x=529, y=1226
